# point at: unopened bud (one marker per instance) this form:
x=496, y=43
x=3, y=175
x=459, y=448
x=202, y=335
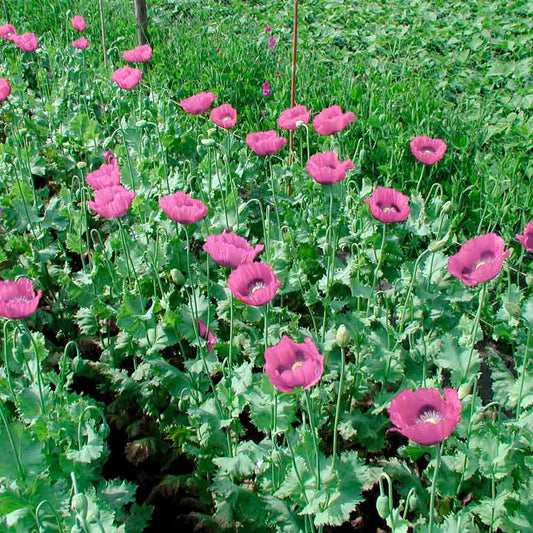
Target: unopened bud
x=79, y=504
x=343, y=336
x=382, y=505
x=464, y=390
x=81, y=164
x=208, y=142
x=446, y=206
x=177, y=277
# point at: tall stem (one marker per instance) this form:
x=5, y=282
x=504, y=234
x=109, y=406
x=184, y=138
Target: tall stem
x=474, y=332
x=378, y=265
x=102, y=28
x=314, y=436
x=337, y=411
x=38, y=364
x=293, y=81
x=12, y=444
x=331, y=260
x=433, y=488
x=523, y=377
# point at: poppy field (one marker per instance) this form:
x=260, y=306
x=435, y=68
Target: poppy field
x=224, y=312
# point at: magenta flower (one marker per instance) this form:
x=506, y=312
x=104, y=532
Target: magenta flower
x=526, y=238
x=428, y=150
x=81, y=44
x=18, y=299
x=479, y=259
x=327, y=169
x=109, y=155
x=423, y=416
x=332, y=120
x=198, y=103
x=27, y=42
x=182, y=208
x=265, y=88
x=111, y=202
x=107, y=175
x=8, y=32
x=78, y=23
x=207, y=335
x=265, y=142
x=224, y=116
x=388, y=205
x=288, y=118
x=254, y=283
x=272, y=43
x=127, y=77
x=230, y=250
x=268, y=29
x=289, y=364
x=5, y=89
x=139, y=54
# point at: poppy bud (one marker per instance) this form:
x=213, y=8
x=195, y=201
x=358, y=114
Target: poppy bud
x=382, y=505
x=208, y=142
x=81, y=164
x=343, y=336
x=464, y=390
x=79, y=504
x=177, y=277
x=446, y=206
x=276, y=457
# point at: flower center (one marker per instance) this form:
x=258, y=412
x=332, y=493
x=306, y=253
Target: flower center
x=429, y=415
x=427, y=149
x=297, y=365
x=255, y=285
x=226, y=118
x=486, y=257
x=388, y=208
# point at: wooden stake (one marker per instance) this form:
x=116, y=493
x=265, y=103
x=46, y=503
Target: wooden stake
x=293, y=82
x=103, y=31
x=141, y=14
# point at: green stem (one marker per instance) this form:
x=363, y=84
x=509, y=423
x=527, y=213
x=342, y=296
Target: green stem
x=474, y=332
x=38, y=516
x=337, y=411
x=314, y=436
x=378, y=265
x=38, y=365
x=12, y=444
x=6, y=363
x=331, y=252
x=523, y=377
x=274, y=198
x=433, y=488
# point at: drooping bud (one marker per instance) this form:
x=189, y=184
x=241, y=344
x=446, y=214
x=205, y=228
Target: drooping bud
x=382, y=505
x=343, y=336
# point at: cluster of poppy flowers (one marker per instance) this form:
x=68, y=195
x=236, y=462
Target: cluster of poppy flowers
x=27, y=42
x=78, y=23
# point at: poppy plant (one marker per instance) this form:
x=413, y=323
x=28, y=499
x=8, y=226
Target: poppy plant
x=198, y=103
x=81, y=44
x=182, y=208
x=388, y=205
x=427, y=150
x=272, y=42
x=326, y=168
x=254, y=283
x=127, y=77
x=224, y=116
x=207, y=335
x=18, y=298
x=424, y=416
x=78, y=23
x=107, y=175
x=479, y=259
x=265, y=88
x=27, y=42
x=265, y=142
x=5, y=89
x=139, y=54
x=526, y=238
x=289, y=364
x=7, y=32
x=231, y=250
x=290, y=117
x=332, y=120
x=111, y=202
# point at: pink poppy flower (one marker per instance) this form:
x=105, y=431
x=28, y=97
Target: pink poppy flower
x=18, y=298
x=109, y=155
x=198, y=103
x=81, y=44
x=107, y=175
x=388, y=205
x=111, y=202
x=224, y=116
x=289, y=364
x=265, y=88
x=526, y=238
x=230, y=250
x=332, y=120
x=272, y=43
x=265, y=142
x=428, y=150
x=182, y=208
x=78, y=23
x=139, y=54
x=5, y=89
x=327, y=169
x=127, y=77
x=423, y=416
x=27, y=42
x=479, y=259
x=268, y=29
x=8, y=32
x=207, y=335
x=254, y=283
x=288, y=118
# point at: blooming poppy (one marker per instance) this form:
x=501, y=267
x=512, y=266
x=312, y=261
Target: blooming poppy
x=5, y=89
x=198, y=103
x=27, y=42
x=18, y=298
x=107, y=175
x=388, y=205
x=289, y=364
x=182, y=208
x=224, y=116
x=527, y=237
x=109, y=155
x=139, y=54
x=207, y=335
x=254, y=283
x=111, y=202
x=231, y=250
x=265, y=88
x=8, y=32
x=265, y=142
x=272, y=43
x=327, y=169
x=428, y=150
x=81, y=44
x=424, y=416
x=127, y=77
x=479, y=259
x=332, y=120
x=288, y=118
x=78, y=23
x=268, y=29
